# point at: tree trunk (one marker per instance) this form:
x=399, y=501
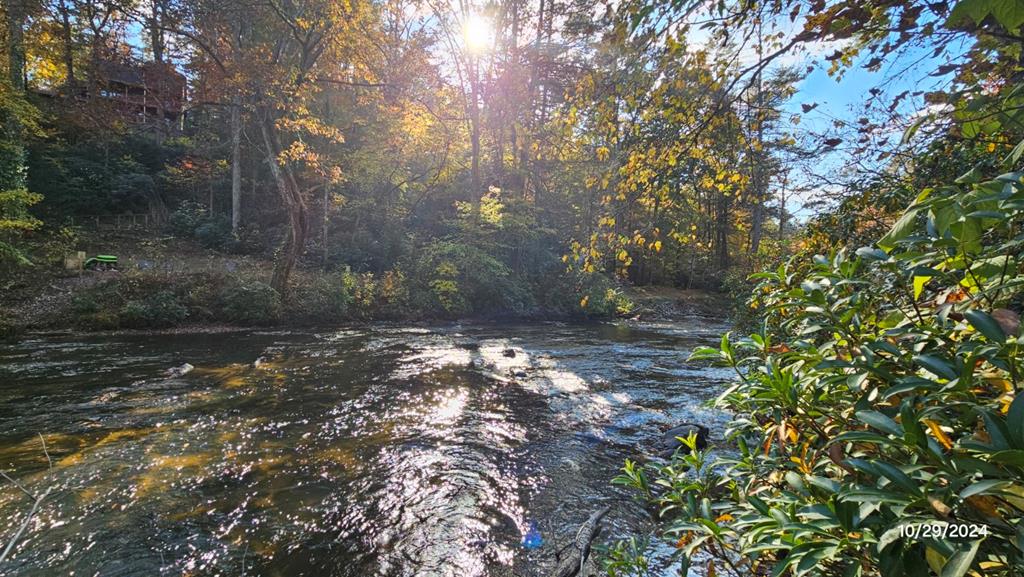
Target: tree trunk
x=757, y=223
x=531, y=109
x=722, y=232
x=156, y=33
x=156, y=41
x=474, y=119
x=16, y=43
x=760, y=181
x=68, y=48
x=326, y=221
x=12, y=164
x=94, y=69
x=782, y=211
x=236, y=164
x=291, y=197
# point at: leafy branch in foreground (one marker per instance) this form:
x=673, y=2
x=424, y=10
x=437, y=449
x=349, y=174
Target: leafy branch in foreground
x=881, y=392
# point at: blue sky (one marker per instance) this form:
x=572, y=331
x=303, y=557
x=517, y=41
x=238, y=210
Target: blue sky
x=843, y=98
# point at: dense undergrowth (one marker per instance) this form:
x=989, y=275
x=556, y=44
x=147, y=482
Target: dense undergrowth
x=449, y=280
x=144, y=300
x=880, y=393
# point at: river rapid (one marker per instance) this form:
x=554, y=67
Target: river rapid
x=375, y=450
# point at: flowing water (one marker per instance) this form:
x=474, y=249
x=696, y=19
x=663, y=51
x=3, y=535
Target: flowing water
x=379, y=450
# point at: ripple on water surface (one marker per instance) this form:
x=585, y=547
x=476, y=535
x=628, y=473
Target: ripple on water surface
x=369, y=451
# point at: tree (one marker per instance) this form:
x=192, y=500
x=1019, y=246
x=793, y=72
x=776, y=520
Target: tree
x=18, y=118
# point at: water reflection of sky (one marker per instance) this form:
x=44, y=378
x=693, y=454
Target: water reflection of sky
x=376, y=451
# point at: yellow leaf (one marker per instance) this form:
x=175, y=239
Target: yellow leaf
x=919, y=282
x=584, y=301
x=935, y=559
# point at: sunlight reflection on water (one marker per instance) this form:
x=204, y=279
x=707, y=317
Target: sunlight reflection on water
x=371, y=451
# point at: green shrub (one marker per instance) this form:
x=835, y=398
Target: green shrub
x=627, y=558
x=159, y=310
x=584, y=295
x=84, y=304
x=97, y=307
x=882, y=392
x=393, y=295
x=251, y=303
x=601, y=298
x=200, y=293
x=188, y=216
x=15, y=221
x=321, y=298
x=216, y=233
x=454, y=279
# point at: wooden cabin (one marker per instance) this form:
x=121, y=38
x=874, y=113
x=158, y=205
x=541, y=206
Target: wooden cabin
x=144, y=90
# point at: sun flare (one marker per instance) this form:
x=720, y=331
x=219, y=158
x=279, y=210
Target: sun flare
x=478, y=33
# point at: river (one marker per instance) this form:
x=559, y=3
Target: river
x=374, y=450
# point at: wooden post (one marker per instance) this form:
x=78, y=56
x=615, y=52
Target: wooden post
x=74, y=261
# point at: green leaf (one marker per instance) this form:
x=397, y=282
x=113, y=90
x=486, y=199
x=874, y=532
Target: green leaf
x=936, y=366
x=871, y=253
x=901, y=479
x=913, y=128
x=997, y=431
x=758, y=504
x=975, y=10
x=961, y=561
x=986, y=325
x=881, y=422
x=899, y=231
x=984, y=487
x=1015, y=420
x=824, y=483
x=967, y=233
x=1008, y=13
x=1014, y=155
x=1015, y=457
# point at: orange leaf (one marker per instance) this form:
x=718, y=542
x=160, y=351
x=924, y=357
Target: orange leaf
x=939, y=433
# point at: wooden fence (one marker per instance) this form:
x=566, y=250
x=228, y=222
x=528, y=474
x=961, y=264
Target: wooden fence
x=115, y=221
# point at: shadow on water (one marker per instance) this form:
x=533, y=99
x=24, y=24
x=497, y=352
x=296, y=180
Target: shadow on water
x=380, y=450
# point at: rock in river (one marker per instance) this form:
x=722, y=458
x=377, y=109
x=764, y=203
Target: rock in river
x=180, y=371
x=669, y=441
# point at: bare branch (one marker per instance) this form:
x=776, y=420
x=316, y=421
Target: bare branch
x=45, y=452
x=24, y=525
x=18, y=485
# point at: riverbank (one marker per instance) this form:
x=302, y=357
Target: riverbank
x=174, y=284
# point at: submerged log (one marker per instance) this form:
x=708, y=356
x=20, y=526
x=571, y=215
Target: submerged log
x=577, y=552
